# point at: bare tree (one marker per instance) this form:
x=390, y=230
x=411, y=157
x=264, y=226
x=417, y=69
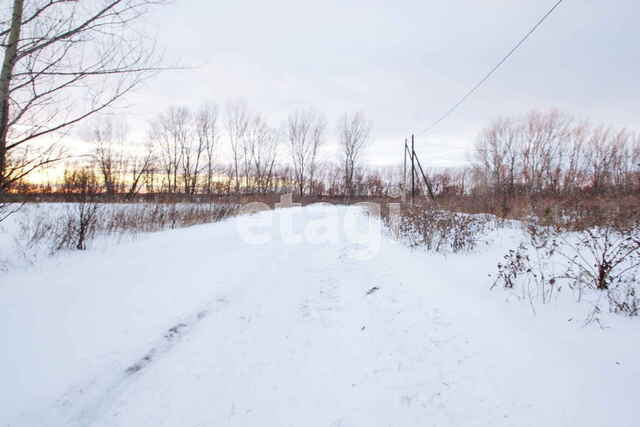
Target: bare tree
x=574, y=168
x=208, y=134
x=140, y=165
x=108, y=154
x=262, y=143
x=601, y=154
x=192, y=152
x=170, y=131
x=496, y=157
x=237, y=122
x=354, y=132
x=305, y=130
x=317, y=139
x=64, y=61
x=541, y=137
x=187, y=145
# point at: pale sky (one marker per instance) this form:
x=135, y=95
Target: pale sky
x=402, y=63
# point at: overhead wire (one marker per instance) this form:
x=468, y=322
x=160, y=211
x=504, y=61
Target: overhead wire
x=478, y=85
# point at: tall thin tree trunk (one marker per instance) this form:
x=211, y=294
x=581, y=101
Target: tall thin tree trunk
x=9, y=61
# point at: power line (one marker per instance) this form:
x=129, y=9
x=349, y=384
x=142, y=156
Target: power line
x=493, y=70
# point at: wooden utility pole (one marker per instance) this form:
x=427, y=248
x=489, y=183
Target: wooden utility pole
x=413, y=170
x=426, y=180
x=415, y=166
x=404, y=170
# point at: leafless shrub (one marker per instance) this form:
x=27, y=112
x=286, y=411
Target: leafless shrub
x=80, y=223
x=35, y=231
x=603, y=256
x=80, y=226
x=515, y=264
x=600, y=256
x=529, y=266
x=439, y=230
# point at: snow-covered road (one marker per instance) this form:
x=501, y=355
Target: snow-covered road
x=243, y=324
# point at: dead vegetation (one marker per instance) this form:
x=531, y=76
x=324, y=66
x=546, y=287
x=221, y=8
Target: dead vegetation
x=587, y=251
x=438, y=230
x=75, y=225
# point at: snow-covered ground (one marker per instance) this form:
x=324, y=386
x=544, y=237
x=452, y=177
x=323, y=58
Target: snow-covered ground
x=299, y=317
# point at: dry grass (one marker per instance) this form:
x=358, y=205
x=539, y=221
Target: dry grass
x=77, y=224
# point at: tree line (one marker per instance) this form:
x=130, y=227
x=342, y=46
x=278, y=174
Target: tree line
x=546, y=154
x=231, y=150
x=234, y=150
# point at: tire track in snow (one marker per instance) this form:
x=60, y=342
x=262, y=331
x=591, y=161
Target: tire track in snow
x=84, y=405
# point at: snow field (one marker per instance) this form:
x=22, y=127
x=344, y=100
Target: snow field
x=274, y=320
